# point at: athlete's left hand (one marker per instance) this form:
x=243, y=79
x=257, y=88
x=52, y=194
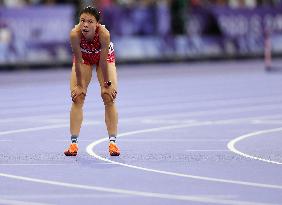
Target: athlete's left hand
x=111, y=91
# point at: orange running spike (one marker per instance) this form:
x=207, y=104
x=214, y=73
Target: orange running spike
x=114, y=150
x=72, y=151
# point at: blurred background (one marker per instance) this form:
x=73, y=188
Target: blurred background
x=36, y=32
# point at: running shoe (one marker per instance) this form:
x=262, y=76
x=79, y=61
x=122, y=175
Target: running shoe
x=113, y=149
x=72, y=151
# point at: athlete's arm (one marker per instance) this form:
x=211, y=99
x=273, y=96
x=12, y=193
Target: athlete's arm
x=104, y=36
x=75, y=44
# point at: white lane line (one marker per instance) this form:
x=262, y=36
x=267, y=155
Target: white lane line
x=48, y=127
x=31, y=164
x=36, y=118
x=267, y=122
x=239, y=102
x=33, y=129
x=27, y=104
x=85, y=123
x=156, y=140
x=68, y=140
x=137, y=193
x=16, y=202
x=207, y=150
x=166, y=121
x=174, y=140
x=193, y=198
x=231, y=145
x=234, y=110
x=91, y=146
x=57, y=196
x=22, y=164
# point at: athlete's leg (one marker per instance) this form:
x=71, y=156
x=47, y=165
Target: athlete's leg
x=76, y=113
x=111, y=115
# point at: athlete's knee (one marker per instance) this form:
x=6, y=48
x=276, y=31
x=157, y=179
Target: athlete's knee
x=107, y=99
x=79, y=99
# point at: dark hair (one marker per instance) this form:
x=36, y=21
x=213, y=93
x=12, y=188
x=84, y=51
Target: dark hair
x=91, y=10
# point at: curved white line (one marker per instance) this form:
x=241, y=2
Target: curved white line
x=112, y=190
x=90, y=151
x=231, y=145
x=138, y=193
x=204, y=199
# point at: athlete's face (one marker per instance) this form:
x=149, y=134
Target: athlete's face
x=88, y=24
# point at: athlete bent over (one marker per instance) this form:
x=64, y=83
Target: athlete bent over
x=90, y=42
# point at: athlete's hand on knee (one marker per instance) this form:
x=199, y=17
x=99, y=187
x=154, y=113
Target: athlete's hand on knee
x=111, y=92
x=77, y=91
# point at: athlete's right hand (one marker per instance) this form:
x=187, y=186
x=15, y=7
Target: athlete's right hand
x=77, y=91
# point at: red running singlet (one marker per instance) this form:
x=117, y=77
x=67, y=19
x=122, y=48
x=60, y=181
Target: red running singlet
x=91, y=50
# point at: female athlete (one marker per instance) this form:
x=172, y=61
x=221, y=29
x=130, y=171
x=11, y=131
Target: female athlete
x=91, y=46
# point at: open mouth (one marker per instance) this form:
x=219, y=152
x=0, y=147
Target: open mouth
x=85, y=30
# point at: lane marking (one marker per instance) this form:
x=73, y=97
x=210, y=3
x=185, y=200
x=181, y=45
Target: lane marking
x=85, y=123
x=173, y=140
x=33, y=129
x=16, y=202
x=231, y=145
x=57, y=196
x=31, y=164
x=91, y=146
x=215, y=103
x=267, y=122
x=145, y=194
x=22, y=164
x=156, y=140
x=35, y=118
x=207, y=150
x=47, y=127
x=136, y=193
